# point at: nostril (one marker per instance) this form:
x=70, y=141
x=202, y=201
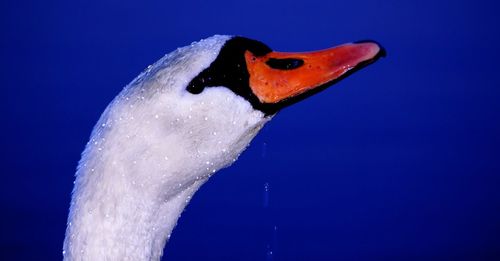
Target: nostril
x=284, y=64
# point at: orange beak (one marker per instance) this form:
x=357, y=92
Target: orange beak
x=278, y=76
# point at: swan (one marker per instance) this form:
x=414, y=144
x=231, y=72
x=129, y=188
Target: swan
x=181, y=120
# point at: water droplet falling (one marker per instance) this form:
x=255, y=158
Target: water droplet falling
x=271, y=247
x=269, y=253
x=266, y=194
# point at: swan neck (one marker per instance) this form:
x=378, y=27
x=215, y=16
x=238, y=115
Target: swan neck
x=117, y=215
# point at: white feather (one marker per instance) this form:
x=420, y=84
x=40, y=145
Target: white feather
x=152, y=148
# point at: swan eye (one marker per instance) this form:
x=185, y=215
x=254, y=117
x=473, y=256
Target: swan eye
x=284, y=64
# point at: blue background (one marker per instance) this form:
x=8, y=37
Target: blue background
x=400, y=161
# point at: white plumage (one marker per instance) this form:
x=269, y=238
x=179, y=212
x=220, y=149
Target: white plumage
x=152, y=148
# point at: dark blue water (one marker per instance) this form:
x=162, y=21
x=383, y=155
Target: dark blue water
x=400, y=161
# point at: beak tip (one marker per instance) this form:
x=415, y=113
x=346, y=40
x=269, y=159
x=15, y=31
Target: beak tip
x=381, y=52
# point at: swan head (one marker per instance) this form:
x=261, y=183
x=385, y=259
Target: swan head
x=271, y=80
x=197, y=108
